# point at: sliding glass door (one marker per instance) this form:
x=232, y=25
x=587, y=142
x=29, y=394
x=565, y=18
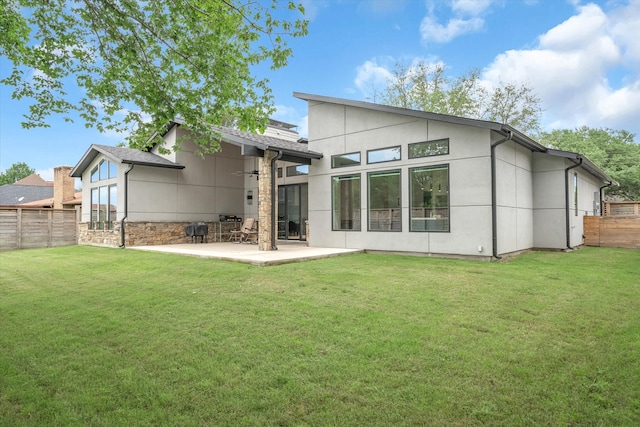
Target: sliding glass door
x=293, y=211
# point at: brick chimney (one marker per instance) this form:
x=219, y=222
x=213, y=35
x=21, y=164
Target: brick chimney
x=63, y=185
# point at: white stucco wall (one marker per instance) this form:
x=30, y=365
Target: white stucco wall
x=336, y=129
x=206, y=188
x=550, y=200
x=514, y=200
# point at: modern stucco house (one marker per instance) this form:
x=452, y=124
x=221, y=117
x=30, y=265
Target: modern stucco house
x=369, y=177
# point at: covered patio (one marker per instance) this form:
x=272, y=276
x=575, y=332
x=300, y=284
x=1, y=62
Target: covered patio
x=288, y=252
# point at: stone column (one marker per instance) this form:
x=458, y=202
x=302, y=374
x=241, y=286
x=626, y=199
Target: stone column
x=265, y=192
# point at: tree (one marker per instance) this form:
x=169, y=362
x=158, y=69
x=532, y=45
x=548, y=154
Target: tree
x=613, y=150
x=142, y=64
x=426, y=87
x=16, y=172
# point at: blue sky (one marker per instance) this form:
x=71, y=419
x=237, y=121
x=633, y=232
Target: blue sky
x=581, y=58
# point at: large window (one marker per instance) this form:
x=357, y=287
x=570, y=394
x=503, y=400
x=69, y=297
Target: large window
x=383, y=155
x=346, y=202
x=429, y=148
x=343, y=160
x=297, y=170
x=429, y=198
x=104, y=207
x=385, y=213
x=104, y=198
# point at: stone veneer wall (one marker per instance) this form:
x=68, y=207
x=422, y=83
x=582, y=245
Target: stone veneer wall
x=153, y=233
x=264, y=200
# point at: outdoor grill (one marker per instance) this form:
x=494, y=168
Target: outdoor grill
x=197, y=229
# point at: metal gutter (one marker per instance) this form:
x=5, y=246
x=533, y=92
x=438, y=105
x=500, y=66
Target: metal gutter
x=601, y=201
x=126, y=205
x=566, y=200
x=494, y=208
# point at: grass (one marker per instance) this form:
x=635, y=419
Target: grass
x=105, y=337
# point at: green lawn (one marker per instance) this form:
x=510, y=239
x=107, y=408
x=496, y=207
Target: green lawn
x=111, y=337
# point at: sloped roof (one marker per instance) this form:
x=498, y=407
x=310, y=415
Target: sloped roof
x=585, y=164
x=294, y=151
x=15, y=194
x=75, y=200
x=34, y=179
x=255, y=144
x=502, y=129
x=122, y=155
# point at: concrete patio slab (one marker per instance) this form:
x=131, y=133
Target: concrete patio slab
x=288, y=252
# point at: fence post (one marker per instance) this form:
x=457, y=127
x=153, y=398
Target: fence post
x=50, y=228
x=19, y=228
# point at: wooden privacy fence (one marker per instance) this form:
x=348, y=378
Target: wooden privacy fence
x=26, y=228
x=621, y=209
x=611, y=231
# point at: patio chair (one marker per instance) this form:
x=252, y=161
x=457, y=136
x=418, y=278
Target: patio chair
x=250, y=235
x=239, y=235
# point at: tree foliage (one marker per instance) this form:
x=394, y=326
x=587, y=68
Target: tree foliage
x=142, y=64
x=16, y=172
x=426, y=87
x=613, y=150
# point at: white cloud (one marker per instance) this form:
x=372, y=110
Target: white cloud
x=432, y=31
x=46, y=174
x=466, y=18
x=471, y=7
x=370, y=75
x=572, y=67
x=624, y=28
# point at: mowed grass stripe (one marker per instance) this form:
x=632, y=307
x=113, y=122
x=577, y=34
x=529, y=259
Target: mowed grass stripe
x=99, y=336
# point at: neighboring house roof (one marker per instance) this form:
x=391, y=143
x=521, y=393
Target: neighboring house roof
x=122, y=155
x=34, y=179
x=503, y=129
x=15, y=194
x=47, y=203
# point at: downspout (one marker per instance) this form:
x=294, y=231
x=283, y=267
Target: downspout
x=601, y=201
x=126, y=205
x=494, y=208
x=566, y=201
x=274, y=200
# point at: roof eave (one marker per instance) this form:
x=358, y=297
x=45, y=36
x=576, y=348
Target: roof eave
x=586, y=164
x=155, y=165
x=399, y=110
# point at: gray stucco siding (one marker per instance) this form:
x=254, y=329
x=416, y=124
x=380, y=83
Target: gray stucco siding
x=208, y=186
x=549, y=195
x=342, y=129
x=548, y=202
x=514, y=202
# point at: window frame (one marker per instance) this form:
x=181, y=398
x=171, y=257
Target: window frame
x=369, y=152
x=102, y=214
x=432, y=141
x=447, y=192
x=354, y=176
x=399, y=208
x=297, y=173
x=336, y=156
x=575, y=193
